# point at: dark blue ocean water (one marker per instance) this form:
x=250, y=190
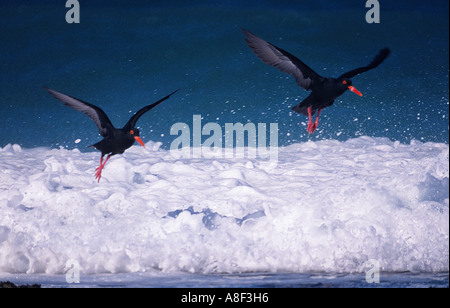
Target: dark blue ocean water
x=124, y=55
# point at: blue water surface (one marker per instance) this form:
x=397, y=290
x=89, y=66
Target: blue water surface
x=124, y=55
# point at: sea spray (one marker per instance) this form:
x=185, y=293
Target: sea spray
x=327, y=206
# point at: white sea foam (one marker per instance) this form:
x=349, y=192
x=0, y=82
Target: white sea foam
x=327, y=206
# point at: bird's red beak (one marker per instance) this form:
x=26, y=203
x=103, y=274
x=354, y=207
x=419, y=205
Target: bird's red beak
x=138, y=139
x=353, y=89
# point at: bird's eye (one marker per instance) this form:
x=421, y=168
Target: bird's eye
x=132, y=132
x=344, y=82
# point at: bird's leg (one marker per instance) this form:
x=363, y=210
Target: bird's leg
x=99, y=169
x=314, y=126
x=101, y=163
x=310, y=121
x=98, y=173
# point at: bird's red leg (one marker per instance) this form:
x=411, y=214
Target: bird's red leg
x=314, y=126
x=310, y=121
x=101, y=163
x=99, y=169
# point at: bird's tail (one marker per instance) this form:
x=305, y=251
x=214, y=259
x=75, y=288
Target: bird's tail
x=301, y=109
x=95, y=146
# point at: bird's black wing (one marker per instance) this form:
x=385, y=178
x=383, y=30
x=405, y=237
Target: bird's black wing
x=380, y=57
x=132, y=122
x=100, y=118
x=282, y=60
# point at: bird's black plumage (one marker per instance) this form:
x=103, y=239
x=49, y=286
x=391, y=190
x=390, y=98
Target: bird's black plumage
x=324, y=90
x=115, y=141
x=99, y=117
x=380, y=57
x=282, y=60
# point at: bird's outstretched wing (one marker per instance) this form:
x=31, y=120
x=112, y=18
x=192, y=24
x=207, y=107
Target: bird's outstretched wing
x=282, y=60
x=95, y=113
x=132, y=122
x=380, y=57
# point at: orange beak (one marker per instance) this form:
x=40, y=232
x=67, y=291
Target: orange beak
x=138, y=139
x=353, y=89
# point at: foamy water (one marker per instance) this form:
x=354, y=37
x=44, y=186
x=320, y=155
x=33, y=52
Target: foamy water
x=326, y=206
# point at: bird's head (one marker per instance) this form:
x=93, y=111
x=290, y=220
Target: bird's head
x=134, y=133
x=346, y=84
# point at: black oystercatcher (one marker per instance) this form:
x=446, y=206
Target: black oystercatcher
x=324, y=90
x=115, y=141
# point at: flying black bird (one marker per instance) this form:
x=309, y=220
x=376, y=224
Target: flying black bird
x=115, y=141
x=324, y=90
